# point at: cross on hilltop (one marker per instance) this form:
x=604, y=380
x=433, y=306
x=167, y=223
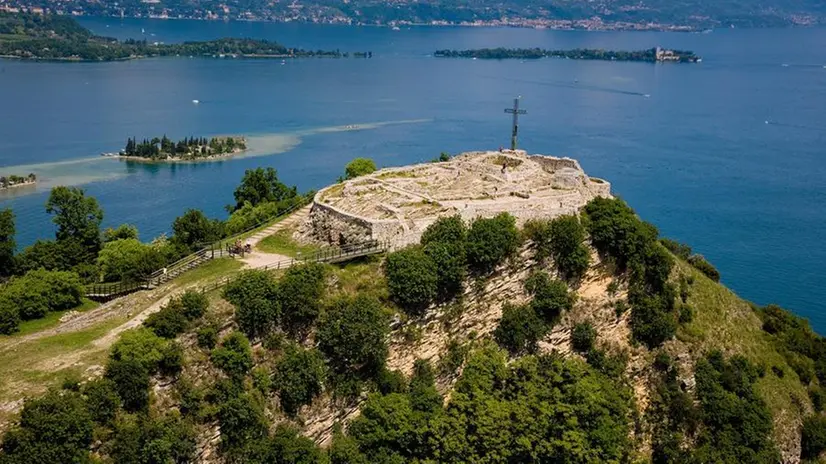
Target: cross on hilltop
x=516, y=112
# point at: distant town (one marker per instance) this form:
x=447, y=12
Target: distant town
x=622, y=15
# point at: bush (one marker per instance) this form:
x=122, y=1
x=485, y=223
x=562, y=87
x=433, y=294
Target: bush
x=567, y=246
x=359, y=167
x=450, y=268
x=102, y=400
x=412, y=278
x=242, y=420
x=818, y=398
x=256, y=317
x=37, y=293
x=449, y=229
x=169, y=322
x=143, y=439
x=300, y=292
x=813, y=440
x=583, y=337
x=131, y=380
x=194, y=304
x=207, y=337
x=194, y=230
x=251, y=285
x=141, y=345
x=172, y=361
x=9, y=317
x=234, y=356
x=352, y=334
x=680, y=250
x=700, y=263
x=391, y=382
x=298, y=378
x=490, y=241
x=652, y=322
x=54, y=428
x=261, y=185
x=249, y=216
x=519, y=330
x=453, y=359
x=686, y=314
x=611, y=366
x=550, y=297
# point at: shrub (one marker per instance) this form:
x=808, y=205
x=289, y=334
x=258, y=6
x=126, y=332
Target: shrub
x=141, y=345
x=56, y=427
x=449, y=229
x=412, y=278
x=261, y=185
x=39, y=292
x=288, y=446
x=567, y=246
x=813, y=441
x=102, y=400
x=128, y=260
x=450, y=268
x=490, y=241
x=298, y=378
x=172, y=360
x=352, y=334
x=583, y=337
x=300, y=292
x=207, y=337
x=131, y=380
x=652, y=322
x=194, y=230
x=165, y=438
x=453, y=359
x=359, y=167
x=391, y=382
x=233, y=356
x=242, y=420
x=423, y=394
x=250, y=285
x=9, y=317
x=256, y=317
x=686, y=314
x=169, y=322
x=700, y=263
x=680, y=250
x=611, y=365
x=194, y=304
x=818, y=398
x=550, y=297
x=519, y=330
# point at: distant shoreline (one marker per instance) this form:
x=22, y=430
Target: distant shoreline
x=203, y=159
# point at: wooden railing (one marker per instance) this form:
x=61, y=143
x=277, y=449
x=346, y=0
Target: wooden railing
x=111, y=290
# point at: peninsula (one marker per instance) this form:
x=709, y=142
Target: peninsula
x=187, y=149
x=652, y=55
x=17, y=181
x=60, y=38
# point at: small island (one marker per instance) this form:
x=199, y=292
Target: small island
x=188, y=149
x=60, y=38
x=651, y=55
x=17, y=181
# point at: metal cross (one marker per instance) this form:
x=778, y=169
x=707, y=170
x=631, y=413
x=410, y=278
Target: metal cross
x=516, y=112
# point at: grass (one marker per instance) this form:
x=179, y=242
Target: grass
x=397, y=175
x=725, y=321
x=212, y=269
x=49, y=321
x=359, y=276
x=282, y=243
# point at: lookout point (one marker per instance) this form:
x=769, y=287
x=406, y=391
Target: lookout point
x=397, y=204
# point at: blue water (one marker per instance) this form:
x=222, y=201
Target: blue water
x=696, y=156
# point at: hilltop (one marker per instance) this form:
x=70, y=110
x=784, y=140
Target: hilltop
x=515, y=311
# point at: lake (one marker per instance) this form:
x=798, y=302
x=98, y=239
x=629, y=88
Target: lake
x=726, y=155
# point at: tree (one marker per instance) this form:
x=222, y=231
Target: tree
x=77, y=216
x=251, y=285
x=128, y=260
x=257, y=317
x=550, y=297
x=652, y=320
x=39, y=292
x=287, y=446
x=583, y=337
x=519, y=330
x=567, y=243
x=345, y=449
x=412, y=278
x=490, y=241
x=447, y=229
x=56, y=427
x=352, y=334
x=7, y=243
x=260, y=186
x=299, y=293
x=142, y=439
x=298, y=378
x=359, y=167
x=123, y=232
x=702, y=265
x=423, y=394
x=444, y=241
x=194, y=229
x=242, y=421
x=233, y=356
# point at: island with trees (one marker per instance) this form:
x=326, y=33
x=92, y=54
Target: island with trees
x=651, y=55
x=61, y=38
x=7, y=182
x=187, y=149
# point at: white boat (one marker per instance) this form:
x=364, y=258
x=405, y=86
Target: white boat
x=196, y=101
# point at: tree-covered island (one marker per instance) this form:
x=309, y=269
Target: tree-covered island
x=187, y=149
x=61, y=38
x=652, y=55
x=7, y=182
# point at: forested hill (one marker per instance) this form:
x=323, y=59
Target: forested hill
x=54, y=37
x=600, y=14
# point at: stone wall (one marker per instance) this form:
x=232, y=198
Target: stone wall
x=553, y=164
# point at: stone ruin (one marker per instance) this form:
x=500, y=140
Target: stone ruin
x=397, y=204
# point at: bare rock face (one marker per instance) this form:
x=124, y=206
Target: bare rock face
x=397, y=204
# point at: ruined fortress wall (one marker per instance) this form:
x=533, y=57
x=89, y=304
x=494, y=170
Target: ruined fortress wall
x=553, y=164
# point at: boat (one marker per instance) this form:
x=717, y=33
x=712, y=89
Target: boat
x=396, y=28
x=196, y=101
